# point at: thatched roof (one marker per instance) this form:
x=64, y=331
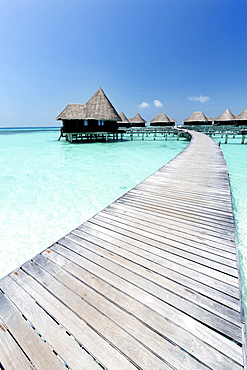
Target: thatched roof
x=172, y=120
x=73, y=111
x=243, y=116
x=160, y=118
x=209, y=119
x=237, y=117
x=197, y=117
x=137, y=119
x=124, y=119
x=98, y=107
x=226, y=116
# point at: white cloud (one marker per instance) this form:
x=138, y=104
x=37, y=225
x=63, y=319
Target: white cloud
x=157, y=103
x=200, y=98
x=143, y=105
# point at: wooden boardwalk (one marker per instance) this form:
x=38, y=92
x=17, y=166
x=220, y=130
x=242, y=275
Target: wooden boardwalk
x=151, y=282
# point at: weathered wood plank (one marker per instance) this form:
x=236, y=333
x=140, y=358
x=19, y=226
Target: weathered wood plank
x=11, y=355
x=170, y=314
x=207, y=208
x=172, y=267
x=28, y=340
x=185, y=226
x=147, y=282
x=53, y=333
x=174, y=333
x=225, y=279
x=205, y=242
x=170, y=191
x=178, y=213
x=120, y=339
x=177, y=282
x=189, y=249
x=89, y=339
x=223, y=220
x=166, y=350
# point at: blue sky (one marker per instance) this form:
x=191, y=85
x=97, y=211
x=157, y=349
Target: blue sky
x=186, y=55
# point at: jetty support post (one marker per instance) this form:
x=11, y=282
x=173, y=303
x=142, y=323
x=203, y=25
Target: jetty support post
x=243, y=139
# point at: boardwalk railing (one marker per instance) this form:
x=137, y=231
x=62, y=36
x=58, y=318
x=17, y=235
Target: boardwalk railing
x=150, y=282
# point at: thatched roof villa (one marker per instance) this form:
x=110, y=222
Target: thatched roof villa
x=124, y=122
x=197, y=118
x=226, y=118
x=210, y=120
x=173, y=121
x=242, y=118
x=96, y=116
x=137, y=121
x=161, y=119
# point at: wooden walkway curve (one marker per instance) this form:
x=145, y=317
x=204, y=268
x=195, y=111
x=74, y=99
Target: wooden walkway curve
x=151, y=282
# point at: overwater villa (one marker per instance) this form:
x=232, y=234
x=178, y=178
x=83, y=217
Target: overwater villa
x=161, y=119
x=210, y=120
x=197, y=118
x=242, y=118
x=96, y=118
x=226, y=118
x=137, y=121
x=124, y=122
x=173, y=121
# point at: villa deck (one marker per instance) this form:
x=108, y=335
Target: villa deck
x=150, y=282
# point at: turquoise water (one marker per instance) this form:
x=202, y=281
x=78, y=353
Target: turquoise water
x=48, y=187
x=236, y=158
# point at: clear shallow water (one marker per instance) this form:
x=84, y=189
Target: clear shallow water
x=236, y=157
x=48, y=187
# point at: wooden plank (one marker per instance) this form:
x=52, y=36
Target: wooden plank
x=206, y=241
x=166, y=261
x=169, y=192
x=31, y=344
x=131, y=232
x=99, y=322
x=124, y=267
x=225, y=220
x=185, y=247
x=144, y=334
x=194, y=346
x=105, y=353
x=171, y=315
x=54, y=334
x=208, y=207
x=181, y=284
x=178, y=213
x=11, y=357
x=186, y=226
